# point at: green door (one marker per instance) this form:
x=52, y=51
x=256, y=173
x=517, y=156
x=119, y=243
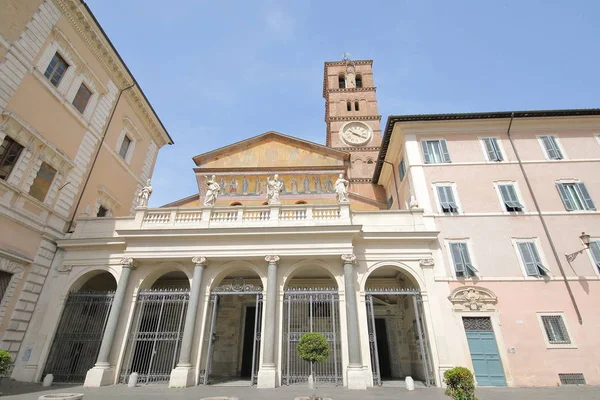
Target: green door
x=484, y=352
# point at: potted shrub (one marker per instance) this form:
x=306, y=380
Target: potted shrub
x=5, y=364
x=460, y=384
x=313, y=348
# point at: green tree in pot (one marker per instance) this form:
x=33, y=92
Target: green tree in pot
x=313, y=348
x=460, y=384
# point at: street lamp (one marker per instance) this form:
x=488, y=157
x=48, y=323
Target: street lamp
x=585, y=239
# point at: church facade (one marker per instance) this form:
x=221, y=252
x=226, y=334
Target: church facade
x=362, y=239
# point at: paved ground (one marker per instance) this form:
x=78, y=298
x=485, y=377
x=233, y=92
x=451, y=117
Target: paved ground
x=19, y=391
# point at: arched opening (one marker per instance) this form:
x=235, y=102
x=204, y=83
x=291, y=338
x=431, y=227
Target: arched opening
x=265, y=203
x=342, y=81
x=370, y=161
x=231, y=349
x=235, y=203
x=348, y=106
x=356, y=108
x=396, y=326
x=81, y=327
x=301, y=202
x=311, y=304
x=156, y=329
x=358, y=81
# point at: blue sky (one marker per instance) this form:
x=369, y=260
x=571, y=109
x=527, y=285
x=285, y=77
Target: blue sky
x=220, y=71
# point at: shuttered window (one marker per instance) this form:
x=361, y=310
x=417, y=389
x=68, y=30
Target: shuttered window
x=435, y=151
x=551, y=146
x=509, y=198
x=595, y=250
x=462, y=260
x=447, y=201
x=531, y=259
x=555, y=328
x=492, y=149
x=575, y=196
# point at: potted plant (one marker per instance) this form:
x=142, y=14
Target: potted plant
x=313, y=348
x=5, y=364
x=460, y=384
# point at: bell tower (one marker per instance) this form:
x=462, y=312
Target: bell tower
x=353, y=121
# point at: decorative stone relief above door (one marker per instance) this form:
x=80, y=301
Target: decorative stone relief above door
x=473, y=298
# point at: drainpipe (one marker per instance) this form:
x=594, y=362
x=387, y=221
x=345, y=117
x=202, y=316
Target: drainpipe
x=539, y=212
x=395, y=182
x=89, y=173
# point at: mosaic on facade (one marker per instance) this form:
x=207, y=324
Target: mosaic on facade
x=256, y=185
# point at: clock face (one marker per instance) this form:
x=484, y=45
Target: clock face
x=356, y=133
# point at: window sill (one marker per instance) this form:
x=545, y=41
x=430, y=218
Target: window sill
x=560, y=346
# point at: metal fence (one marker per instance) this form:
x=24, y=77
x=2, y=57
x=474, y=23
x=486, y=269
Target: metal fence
x=154, y=341
x=79, y=335
x=311, y=310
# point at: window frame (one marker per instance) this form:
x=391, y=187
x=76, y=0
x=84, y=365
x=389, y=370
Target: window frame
x=402, y=169
x=125, y=137
x=475, y=273
x=517, y=189
x=49, y=186
x=452, y=185
x=594, y=241
x=540, y=253
x=87, y=102
x=558, y=146
x=3, y=156
x=499, y=146
x=550, y=345
x=53, y=71
x=581, y=199
x=442, y=154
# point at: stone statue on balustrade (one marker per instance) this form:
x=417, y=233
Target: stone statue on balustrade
x=274, y=187
x=341, y=189
x=213, y=190
x=144, y=194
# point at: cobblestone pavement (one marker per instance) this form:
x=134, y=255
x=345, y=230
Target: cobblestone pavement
x=21, y=391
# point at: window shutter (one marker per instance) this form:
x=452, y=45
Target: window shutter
x=492, y=149
x=595, y=249
x=426, y=155
x=528, y=259
x=509, y=196
x=445, y=154
x=551, y=147
x=467, y=258
x=504, y=193
x=566, y=199
x=589, y=204
x=497, y=149
x=459, y=266
x=541, y=269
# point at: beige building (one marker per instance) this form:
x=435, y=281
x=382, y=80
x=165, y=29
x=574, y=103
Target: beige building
x=78, y=137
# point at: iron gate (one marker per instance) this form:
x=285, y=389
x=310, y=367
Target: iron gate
x=78, y=336
x=237, y=287
x=155, y=338
x=313, y=310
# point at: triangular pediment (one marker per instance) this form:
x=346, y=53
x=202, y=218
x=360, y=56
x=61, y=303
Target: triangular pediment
x=272, y=150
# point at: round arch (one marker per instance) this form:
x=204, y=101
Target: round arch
x=161, y=269
x=237, y=265
x=399, y=266
x=310, y=264
x=78, y=281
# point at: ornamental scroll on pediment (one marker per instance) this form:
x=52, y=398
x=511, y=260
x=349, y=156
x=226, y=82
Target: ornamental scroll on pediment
x=473, y=298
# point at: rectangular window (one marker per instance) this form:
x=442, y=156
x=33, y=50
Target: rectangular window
x=595, y=250
x=402, y=168
x=575, y=196
x=492, y=149
x=102, y=212
x=435, y=151
x=552, y=150
x=9, y=154
x=125, y=147
x=531, y=260
x=82, y=98
x=56, y=69
x=462, y=260
x=41, y=183
x=509, y=198
x=5, y=278
x=555, y=328
x=447, y=201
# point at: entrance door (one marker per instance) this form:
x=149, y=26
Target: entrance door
x=383, y=349
x=248, y=343
x=484, y=352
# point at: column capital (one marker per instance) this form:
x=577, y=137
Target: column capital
x=272, y=259
x=128, y=262
x=199, y=260
x=349, y=258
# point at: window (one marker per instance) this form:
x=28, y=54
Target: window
x=358, y=81
x=356, y=106
x=556, y=331
x=348, y=106
x=531, y=260
x=41, y=183
x=492, y=149
x=125, y=147
x=595, y=251
x=551, y=146
x=462, y=260
x=5, y=278
x=435, y=151
x=82, y=98
x=9, y=154
x=575, y=196
x=510, y=198
x=446, y=197
x=102, y=212
x=402, y=168
x=56, y=69
x=342, y=81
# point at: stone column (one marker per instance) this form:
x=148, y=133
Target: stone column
x=355, y=373
x=267, y=377
x=102, y=373
x=183, y=374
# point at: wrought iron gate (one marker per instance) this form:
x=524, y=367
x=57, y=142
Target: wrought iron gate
x=79, y=335
x=311, y=310
x=155, y=338
x=424, y=341
x=238, y=287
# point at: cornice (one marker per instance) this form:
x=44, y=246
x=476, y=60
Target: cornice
x=355, y=118
x=357, y=149
x=343, y=62
x=363, y=89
